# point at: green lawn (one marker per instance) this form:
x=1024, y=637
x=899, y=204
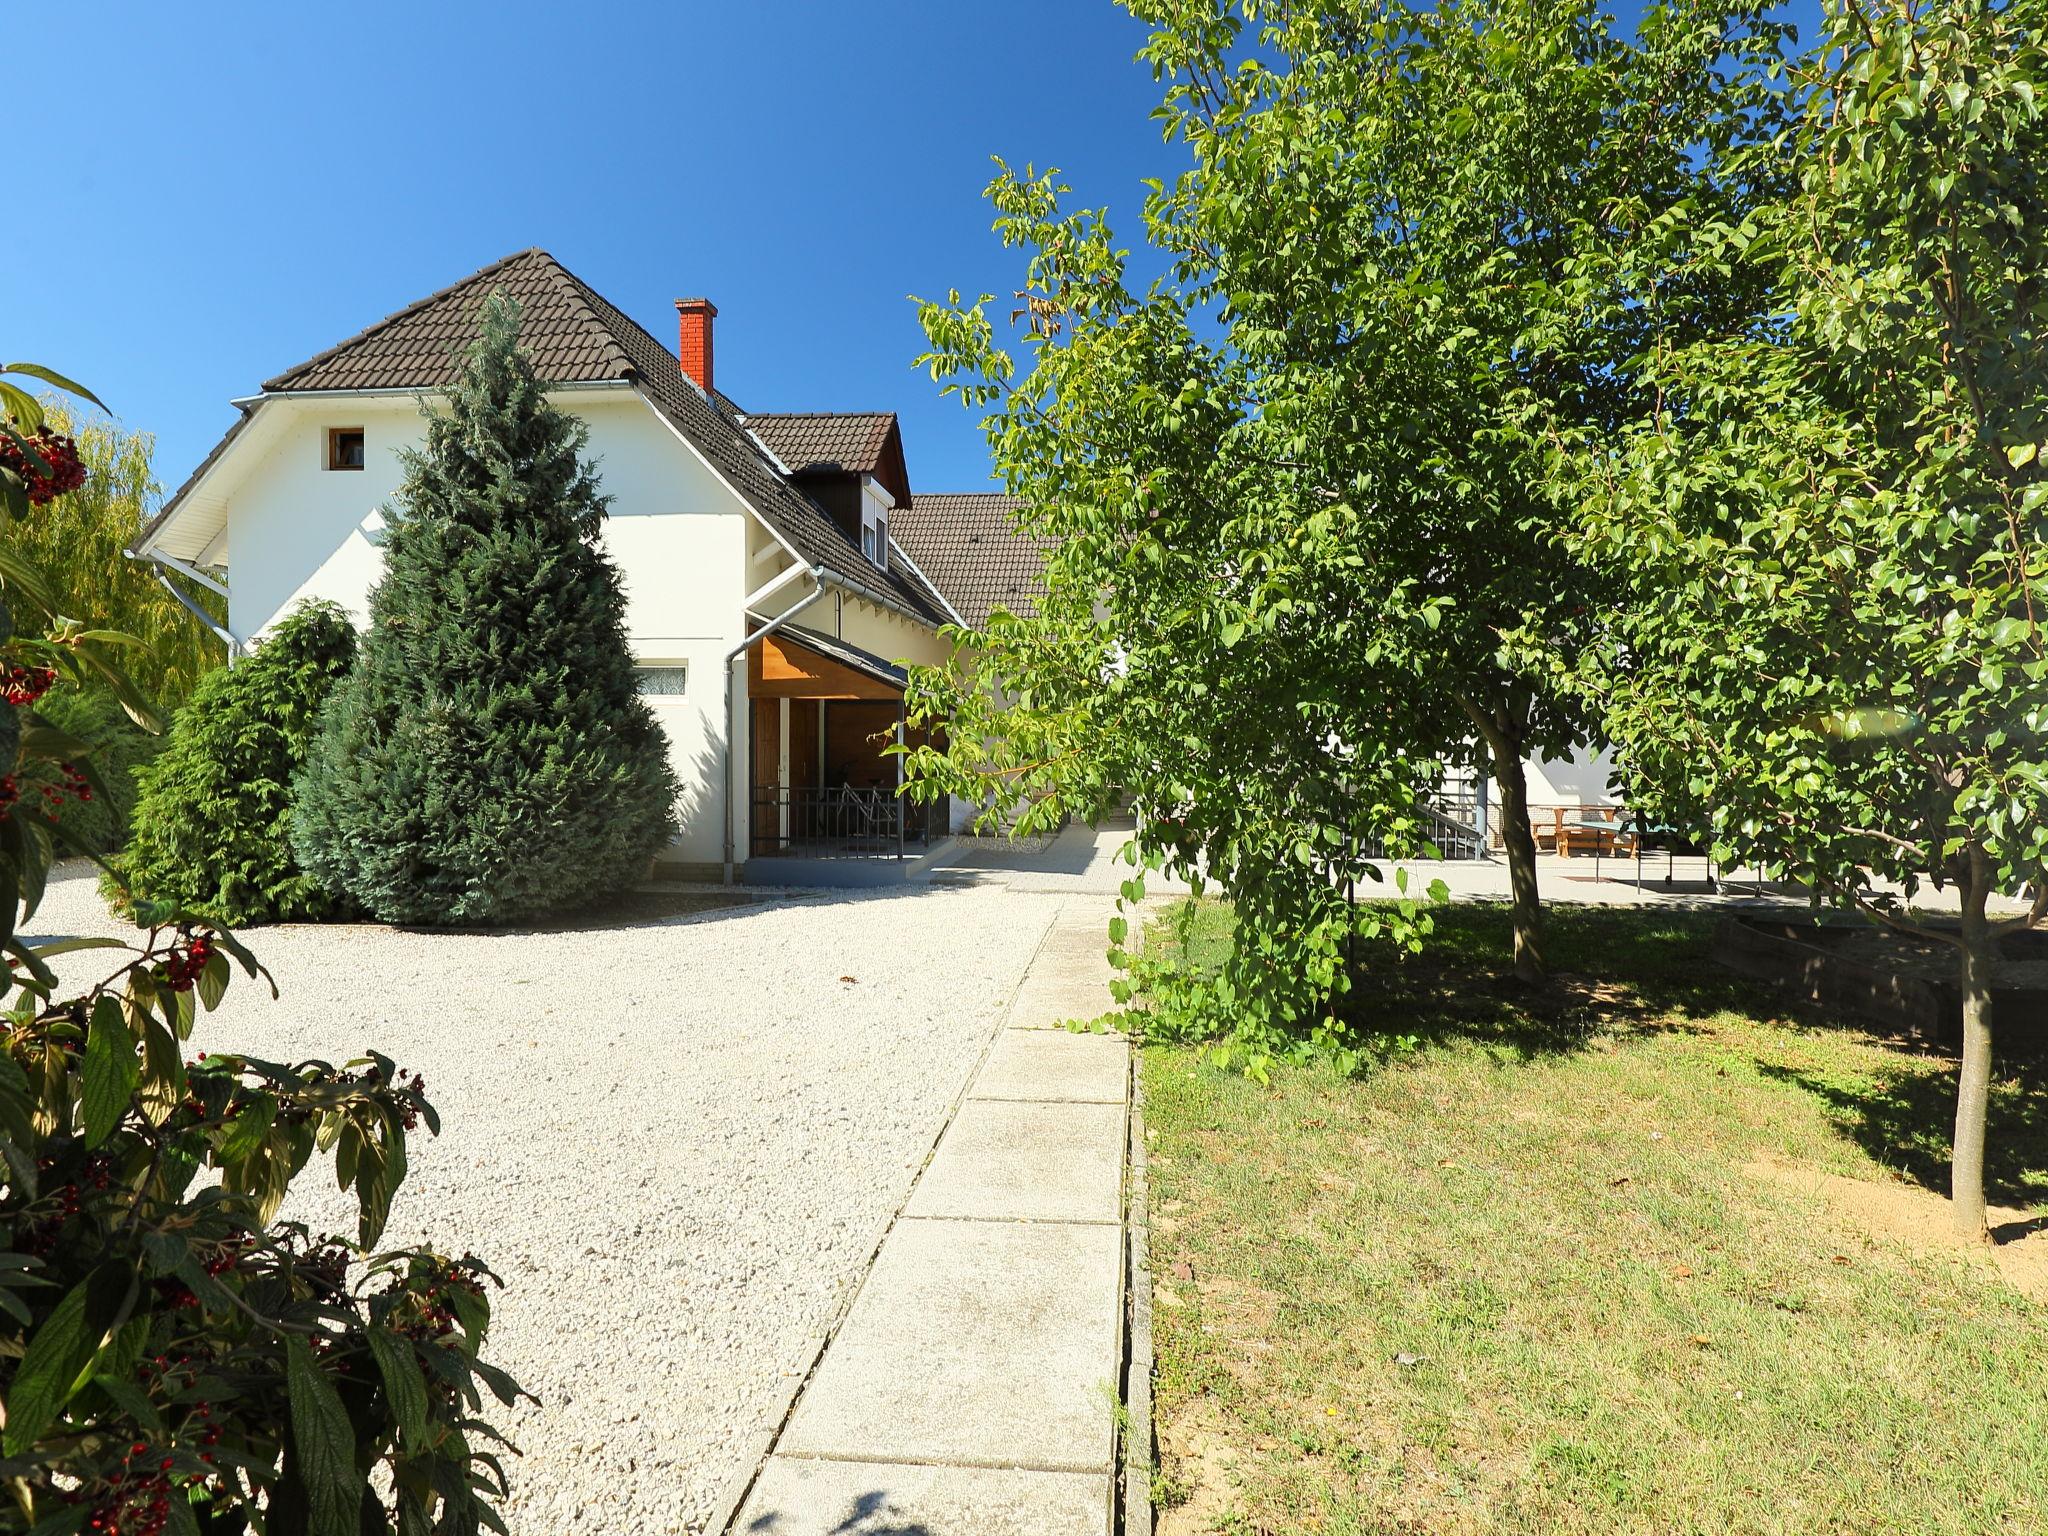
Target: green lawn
x=1637, y=1254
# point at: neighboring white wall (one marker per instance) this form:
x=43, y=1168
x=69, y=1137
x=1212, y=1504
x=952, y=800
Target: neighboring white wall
x=1581, y=779
x=677, y=535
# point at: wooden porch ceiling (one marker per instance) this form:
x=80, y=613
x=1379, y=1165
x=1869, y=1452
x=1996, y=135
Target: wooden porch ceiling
x=780, y=666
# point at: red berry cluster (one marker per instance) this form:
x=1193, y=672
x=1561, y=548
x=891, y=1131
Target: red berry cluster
x=410, y=1116
x=139, y=1503
x=434, y=1298
x=39, y=1234
x=182, y=967
x=228, y=1255
x=60, y=452
x=175, y=1294
x=24, y=685
x=74, y=787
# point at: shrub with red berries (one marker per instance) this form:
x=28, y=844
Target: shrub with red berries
x=61, y=470
x=173, y=1358
x=232, y=1341
x=24, y=685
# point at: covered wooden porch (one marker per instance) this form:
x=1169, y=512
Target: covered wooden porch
x=824, y=784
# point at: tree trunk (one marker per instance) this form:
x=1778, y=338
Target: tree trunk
x=1519, y=839
x=1973, y=1088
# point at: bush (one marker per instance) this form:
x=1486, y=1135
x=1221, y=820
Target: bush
x=211, y=827
x=490, y=758
x=120, y=747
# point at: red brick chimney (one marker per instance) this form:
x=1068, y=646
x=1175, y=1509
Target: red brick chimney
x=693, y=338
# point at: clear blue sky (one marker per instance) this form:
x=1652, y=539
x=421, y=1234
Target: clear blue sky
x=233, y=188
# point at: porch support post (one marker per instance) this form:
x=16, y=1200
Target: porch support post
x=902, y=809
x=1480, y=779
x=782, y=771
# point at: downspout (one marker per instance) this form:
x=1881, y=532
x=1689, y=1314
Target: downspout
x=235, y=647
x=731, y=656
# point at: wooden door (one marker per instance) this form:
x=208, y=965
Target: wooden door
x=803, y=743
x=764, y=772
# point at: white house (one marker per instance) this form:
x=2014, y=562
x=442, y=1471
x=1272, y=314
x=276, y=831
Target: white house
x=778, y=568
x=773, y=563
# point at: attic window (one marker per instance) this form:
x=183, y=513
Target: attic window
x=344, y=447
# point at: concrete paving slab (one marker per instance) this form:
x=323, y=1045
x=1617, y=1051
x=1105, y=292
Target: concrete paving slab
x=1045, y=1002
x=990, y=1343
x=1007, y=1161
x=1087, y=939
x=860, y=1498
x=1044, y=1064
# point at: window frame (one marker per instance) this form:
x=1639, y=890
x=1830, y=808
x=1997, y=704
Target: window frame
x=334, y=459
x=874, y=537
x=643, y=667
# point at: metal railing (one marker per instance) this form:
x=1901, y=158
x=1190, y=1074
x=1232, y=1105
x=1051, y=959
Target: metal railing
x=1450, y=823
x=1455, y=830
x=836, y=823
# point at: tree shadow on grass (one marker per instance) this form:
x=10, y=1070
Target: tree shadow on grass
x=1904, y=1118
x=1611, y=969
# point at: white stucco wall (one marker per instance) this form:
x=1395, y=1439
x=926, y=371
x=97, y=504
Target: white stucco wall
x=876, y=629
x=679, y=537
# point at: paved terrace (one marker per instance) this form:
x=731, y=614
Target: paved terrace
x=1082, y=861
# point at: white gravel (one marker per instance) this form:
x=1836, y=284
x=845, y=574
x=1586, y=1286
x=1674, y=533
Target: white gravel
x=675, y=1140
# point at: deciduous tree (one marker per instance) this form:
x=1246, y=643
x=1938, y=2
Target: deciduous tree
x=1295, y=498
x=1832, y=529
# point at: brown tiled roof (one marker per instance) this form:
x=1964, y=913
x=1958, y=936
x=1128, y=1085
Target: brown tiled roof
x=970, y=547
x=844, y=442
x=576, y=336
x=422, y=345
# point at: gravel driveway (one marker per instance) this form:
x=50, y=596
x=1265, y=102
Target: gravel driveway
x=676, y=1140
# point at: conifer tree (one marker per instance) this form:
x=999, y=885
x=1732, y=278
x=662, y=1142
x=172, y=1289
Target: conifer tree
x=490, y=758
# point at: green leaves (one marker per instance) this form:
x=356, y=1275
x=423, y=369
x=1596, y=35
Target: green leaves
x=213, y=816
x=110, y=1074
x=321, y=1455
x=404, y=1383
x=55, y=1364
x=48, y=376
x=1828, y=648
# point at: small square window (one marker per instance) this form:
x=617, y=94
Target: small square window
x=344, y=447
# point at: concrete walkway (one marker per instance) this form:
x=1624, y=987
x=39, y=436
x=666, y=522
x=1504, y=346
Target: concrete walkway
x=969, y=1389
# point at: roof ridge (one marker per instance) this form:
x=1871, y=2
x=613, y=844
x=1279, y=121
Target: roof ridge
x=584, y=295
x=814, y=415
x=276, y=380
